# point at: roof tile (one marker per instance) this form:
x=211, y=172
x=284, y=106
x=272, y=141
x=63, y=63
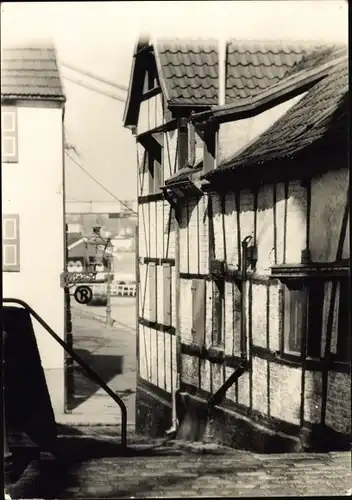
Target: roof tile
x=30, y=72
x=189, y=68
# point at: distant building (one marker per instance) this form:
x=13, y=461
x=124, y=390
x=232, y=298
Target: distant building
x=88, y=256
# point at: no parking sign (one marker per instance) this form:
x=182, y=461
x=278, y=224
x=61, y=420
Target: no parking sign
x=83, y=294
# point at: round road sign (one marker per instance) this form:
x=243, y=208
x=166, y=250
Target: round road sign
x=83, y=294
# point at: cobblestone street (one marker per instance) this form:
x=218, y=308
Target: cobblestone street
x=93, y=465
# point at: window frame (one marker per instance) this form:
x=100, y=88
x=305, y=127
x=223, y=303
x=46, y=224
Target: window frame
x=154, y=165
x=343, y=348
x=294, y=295
x=167, y=294
x=218, y=313
x=198, y=290
x=11, y=134
x=152, y=278
x=13, y=241
x=313, y=317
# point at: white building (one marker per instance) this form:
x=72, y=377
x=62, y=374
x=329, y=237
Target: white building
x=32, y=167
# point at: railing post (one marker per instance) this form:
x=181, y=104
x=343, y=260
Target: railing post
x=89, y=371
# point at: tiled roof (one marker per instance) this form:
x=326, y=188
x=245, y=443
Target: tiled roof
x=252, y=68
x=184, y=174
x=30, y=72
x=321, y=112
x=189, y=69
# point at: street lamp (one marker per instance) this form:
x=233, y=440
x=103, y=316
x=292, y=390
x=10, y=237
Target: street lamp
x=106, y=241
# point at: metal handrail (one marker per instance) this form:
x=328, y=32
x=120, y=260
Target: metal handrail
x=89, y=371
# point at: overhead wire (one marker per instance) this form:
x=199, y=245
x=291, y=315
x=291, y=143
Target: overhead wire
x=89, y=87
x=98, y=182
x=107, y=94
x=94, y=77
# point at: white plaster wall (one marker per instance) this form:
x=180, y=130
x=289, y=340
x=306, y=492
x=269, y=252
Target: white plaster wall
x=329, y=193
x=34, y=189
x=150, y=114
x=296, y=227
x=170, y=153
x=265, y=228
x=159, y=206
x=237, y=135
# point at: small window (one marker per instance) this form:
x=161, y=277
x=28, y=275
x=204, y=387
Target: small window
x=9, y=146
x=315, y=319
x=198, y=311
x=218, y=312
x=320, y=312
x=295, y=301
x=167, y=294
x=343, y=341
x=154, y=164
x=10, y=243
x=152, y=291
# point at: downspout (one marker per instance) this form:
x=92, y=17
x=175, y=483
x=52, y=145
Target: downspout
x=245, y=341
x=182, y=162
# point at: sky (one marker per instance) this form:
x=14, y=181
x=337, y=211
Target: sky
x=99, y=37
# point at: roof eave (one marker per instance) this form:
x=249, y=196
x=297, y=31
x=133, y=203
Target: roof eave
x=33, y=97
x=267, y=99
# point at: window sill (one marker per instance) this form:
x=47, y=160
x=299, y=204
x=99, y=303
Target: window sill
x=317, y=270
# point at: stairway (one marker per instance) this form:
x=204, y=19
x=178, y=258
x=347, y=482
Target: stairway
x=81, y=448
x=91, y=463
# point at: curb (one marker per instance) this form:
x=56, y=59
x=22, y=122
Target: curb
x=81, y=420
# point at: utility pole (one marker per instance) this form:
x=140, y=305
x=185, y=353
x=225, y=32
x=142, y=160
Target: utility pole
x=107, y=242
x=109, y=320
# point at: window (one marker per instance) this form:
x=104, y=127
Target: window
x=167, y=294
x=152, y=291
x=10, y=243
x=154, y=164
x=198, y=311
x=9, y=146
x=218, y=312
x=343, y=341
x=294, y=317
x=319, y=312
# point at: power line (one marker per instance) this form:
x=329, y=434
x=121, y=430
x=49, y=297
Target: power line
x=95, y=77
x=89, y=87
x=99, y=183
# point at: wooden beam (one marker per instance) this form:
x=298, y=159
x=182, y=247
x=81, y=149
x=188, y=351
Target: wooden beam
x=210, y=148
x=182, y=127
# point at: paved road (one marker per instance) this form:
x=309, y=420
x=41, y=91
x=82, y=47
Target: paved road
x=111, y=352
x=123, y=311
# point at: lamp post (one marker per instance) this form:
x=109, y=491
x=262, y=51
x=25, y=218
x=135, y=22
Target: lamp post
x=107, y=240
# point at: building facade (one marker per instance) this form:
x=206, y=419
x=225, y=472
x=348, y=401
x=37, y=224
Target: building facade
x=32, y=167
x=243, y=245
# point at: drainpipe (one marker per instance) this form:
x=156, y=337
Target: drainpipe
x=182, y=162
x=244, y=346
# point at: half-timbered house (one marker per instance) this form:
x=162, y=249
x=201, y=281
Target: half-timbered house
x=243, y=242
